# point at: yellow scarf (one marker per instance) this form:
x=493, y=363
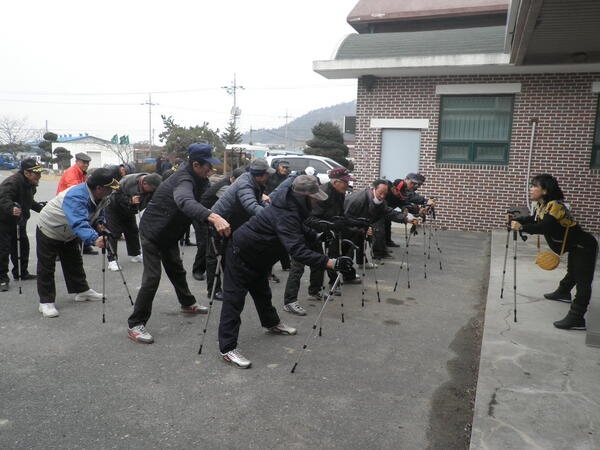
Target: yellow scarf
x=558, y=210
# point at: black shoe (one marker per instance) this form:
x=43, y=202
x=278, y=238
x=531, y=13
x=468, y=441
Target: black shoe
x=218, y=296
x=559, y=296
x=199, y=276
x=386, y=255
x=391, y=244
x=571, y=322
x=4, y=286
x=89, y=251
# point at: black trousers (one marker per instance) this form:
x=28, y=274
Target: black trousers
x=201, y=230
x=8, y=248
x=71, y=262
x=154, y=255
x=215, y=245
x=240, y=279
x=123, y=223
x=581, y=264
x=292, y=285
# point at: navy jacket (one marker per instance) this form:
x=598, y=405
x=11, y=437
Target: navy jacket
x=242, y=200
x=278, y=229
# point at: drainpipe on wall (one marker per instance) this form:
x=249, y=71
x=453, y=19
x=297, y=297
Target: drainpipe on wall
x=533, y=122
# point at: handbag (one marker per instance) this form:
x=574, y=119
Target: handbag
x=548, y=260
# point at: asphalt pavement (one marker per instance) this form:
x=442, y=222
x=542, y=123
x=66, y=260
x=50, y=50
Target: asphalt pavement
x=383, y=378
x=399, y=372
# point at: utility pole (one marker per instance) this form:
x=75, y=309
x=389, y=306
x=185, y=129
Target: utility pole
x=286, y=117
x=150, y=105
x=232, y=90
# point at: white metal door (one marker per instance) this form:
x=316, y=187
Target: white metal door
x=400, y=150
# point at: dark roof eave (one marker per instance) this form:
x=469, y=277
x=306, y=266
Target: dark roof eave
x=489, y=65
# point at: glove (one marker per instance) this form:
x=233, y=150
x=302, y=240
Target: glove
x=326, y=237
x=42, y=204
x=343, y=264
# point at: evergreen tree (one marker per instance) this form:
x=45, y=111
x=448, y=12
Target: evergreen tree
x=178, y=138
x=328, y=140
x=231, y=134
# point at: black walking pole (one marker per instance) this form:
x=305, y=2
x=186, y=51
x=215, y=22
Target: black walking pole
x=504, y=265
x=515, y=272
x=104, y=279
x=314, y=327
x=110, y=251
x=406, y=241
x=213, y=290
x=19, y=267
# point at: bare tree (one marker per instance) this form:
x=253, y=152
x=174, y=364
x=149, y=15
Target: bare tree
x=15, y=131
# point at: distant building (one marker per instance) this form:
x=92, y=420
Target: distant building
x=478, y=95
x=101, y=151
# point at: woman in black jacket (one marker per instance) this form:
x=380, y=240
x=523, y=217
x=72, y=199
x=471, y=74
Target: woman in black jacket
x=552, y=219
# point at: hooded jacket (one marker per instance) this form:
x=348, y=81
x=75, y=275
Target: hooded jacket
x=278, y=229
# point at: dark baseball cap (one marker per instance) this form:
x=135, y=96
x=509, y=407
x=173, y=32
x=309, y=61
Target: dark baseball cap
x=103, y=177
x=260, y=166
x=201, y=151
x=341, y=173
x=308, y=185
x=31, y=165
x=416, y=178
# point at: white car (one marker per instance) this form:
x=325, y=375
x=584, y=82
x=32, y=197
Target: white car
x=298, y=163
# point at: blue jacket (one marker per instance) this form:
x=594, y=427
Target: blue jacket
x=276, y=230
x=70, y=214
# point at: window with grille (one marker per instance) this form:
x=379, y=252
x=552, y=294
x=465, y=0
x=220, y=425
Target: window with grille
x=475, y=129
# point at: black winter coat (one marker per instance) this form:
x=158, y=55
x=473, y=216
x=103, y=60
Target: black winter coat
x=17, y=189
x=276, y=230
x=360, y=204
x=174, y=205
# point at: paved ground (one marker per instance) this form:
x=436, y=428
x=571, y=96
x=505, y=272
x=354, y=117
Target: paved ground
x=399, y=373
x=538, y=385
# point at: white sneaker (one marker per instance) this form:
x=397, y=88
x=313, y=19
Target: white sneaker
x=235, y=358
x=137, y=259
x=90, y=295
x=113, y=266
x=48, y=310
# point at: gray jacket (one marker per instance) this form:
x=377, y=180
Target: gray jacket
x=242, y=200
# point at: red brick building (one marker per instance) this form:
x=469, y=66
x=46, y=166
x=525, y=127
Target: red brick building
x=478, y=96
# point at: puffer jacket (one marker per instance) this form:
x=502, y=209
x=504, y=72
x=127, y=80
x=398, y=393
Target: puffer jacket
x=361, y=205
x=277, y=230
x=240, y=201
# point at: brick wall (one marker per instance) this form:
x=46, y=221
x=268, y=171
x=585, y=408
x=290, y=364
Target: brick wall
x=475, y=197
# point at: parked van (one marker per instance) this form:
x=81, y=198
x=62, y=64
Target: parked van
x=298, y=163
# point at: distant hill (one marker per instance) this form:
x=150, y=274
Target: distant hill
x=299, y=130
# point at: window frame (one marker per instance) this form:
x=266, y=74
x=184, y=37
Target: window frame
x=595, y=158
x=474, y=145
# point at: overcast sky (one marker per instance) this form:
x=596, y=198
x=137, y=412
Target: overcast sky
x=88, y=67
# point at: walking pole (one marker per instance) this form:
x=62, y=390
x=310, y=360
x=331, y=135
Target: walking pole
x=314, y=327
x=504, y=265
x=104, y=279
x=434, y=232
x=515, y=272
x=19, y=268
x=370, y=247
x=110, y=251
x=406, y=241
x=364, y=273
x=424, y=249
x=212, y=291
